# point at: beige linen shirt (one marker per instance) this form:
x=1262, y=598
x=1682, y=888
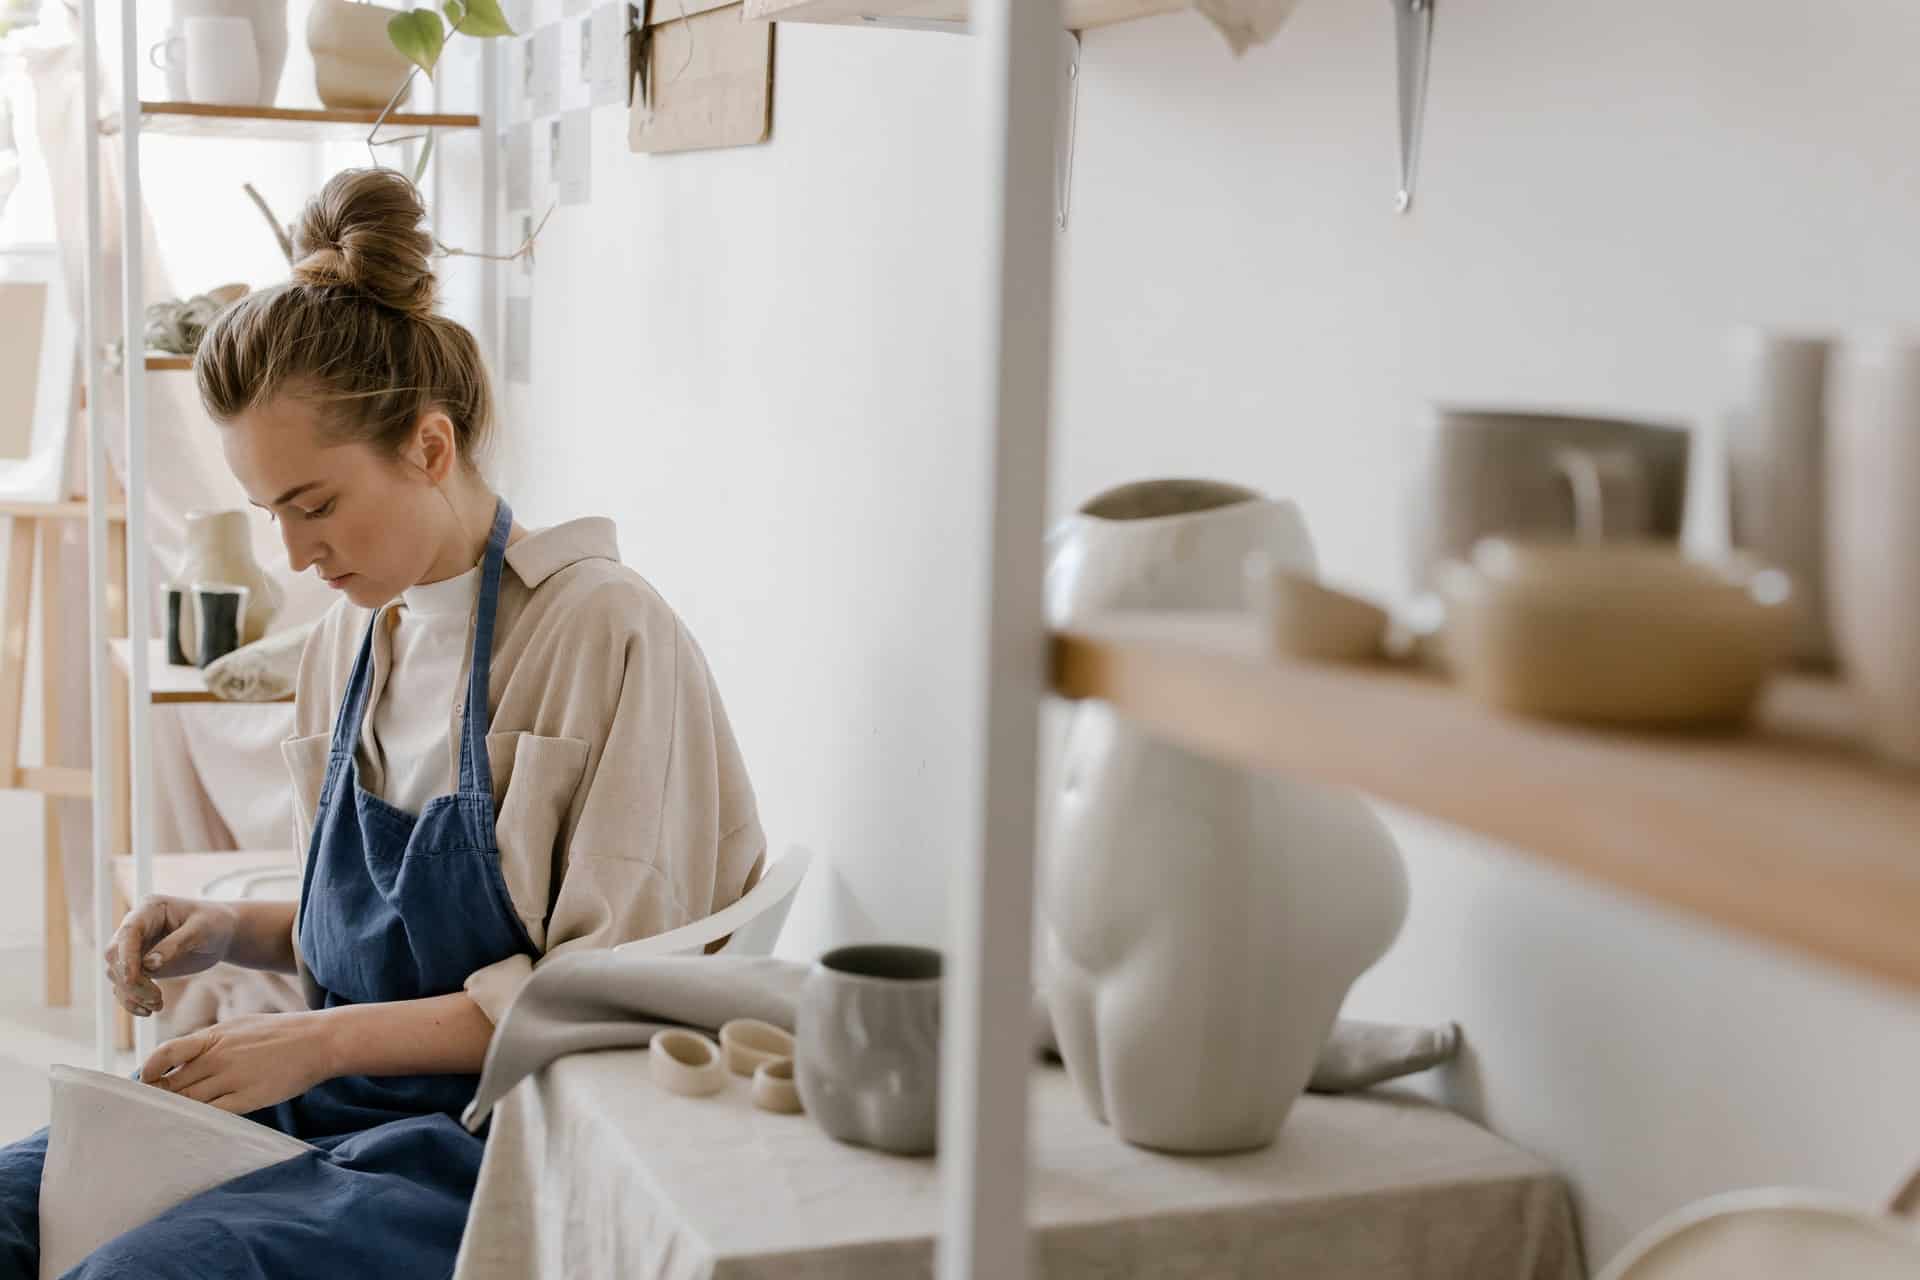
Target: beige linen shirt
x=622, y=805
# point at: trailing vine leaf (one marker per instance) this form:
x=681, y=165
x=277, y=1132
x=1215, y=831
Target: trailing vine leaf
x=483, y=18
x=455, y=12
x=418, y=35
x=426, y=154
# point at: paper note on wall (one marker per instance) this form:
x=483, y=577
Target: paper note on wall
x=706, y=81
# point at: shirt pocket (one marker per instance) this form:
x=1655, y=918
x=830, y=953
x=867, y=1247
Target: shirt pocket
x=534, y=779
x=306, y=760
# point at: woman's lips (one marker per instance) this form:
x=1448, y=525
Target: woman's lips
x=336, y=583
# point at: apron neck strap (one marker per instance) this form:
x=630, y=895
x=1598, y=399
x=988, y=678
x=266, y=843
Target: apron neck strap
x=476, y=771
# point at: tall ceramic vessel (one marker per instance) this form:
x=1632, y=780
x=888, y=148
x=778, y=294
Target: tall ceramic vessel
x=1873, y=534
x=220, y=549
x=1776, y=468
x=1204, y=922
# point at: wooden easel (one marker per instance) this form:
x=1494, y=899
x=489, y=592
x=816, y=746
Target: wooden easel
x=33, y=537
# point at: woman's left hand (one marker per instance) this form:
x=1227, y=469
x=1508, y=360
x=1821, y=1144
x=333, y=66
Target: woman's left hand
x=245, y=1064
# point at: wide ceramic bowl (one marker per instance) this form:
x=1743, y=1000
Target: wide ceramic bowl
x=1630, y=634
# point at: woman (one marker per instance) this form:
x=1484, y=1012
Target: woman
x=506, y=746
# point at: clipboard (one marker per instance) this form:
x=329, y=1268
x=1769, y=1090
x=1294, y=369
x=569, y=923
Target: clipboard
x=700, y=81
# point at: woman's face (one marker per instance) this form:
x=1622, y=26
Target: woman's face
x=368, y=524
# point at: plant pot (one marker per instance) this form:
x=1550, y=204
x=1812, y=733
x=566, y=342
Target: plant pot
x=1204, y=922
x=354, y=61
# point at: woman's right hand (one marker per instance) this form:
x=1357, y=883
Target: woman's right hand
x=166, y=938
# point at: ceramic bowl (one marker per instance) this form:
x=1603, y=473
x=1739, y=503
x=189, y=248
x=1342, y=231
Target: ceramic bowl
x=1632, y=634
x=774, y=1089
x=686, y=1062
x=1307, y=620
x=748, y=1042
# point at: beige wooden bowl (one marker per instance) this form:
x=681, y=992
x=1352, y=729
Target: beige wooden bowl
x=774, y=1088
x=749, y=1042
x=685, y=1062
x=1307, y=620
x=1615, y=633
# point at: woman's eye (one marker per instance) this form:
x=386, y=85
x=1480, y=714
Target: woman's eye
x=324, y=509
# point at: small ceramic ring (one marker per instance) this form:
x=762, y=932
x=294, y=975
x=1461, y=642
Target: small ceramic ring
x=773, y=1087
x=749, y=1042
x=685, y=1062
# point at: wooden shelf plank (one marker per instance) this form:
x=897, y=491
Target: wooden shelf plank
x=1790, y=833
x=202, y=119
x=186, y=875
x=72, y=510
x=163, y=360
x=1079, y=14
x=169, y=683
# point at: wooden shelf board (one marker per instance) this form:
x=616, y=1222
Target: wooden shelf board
x=1079, y=14
x=169, y=683
x=164, y=360
x=1790, y=833
x=185, y=875
x=317, y=124
x=71, y=510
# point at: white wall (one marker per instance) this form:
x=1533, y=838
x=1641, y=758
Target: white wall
x=759, y=362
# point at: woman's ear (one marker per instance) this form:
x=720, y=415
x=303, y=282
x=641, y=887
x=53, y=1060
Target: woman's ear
x=433, y=450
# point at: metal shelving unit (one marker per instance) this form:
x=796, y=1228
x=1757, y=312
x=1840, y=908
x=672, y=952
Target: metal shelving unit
x=131, y=123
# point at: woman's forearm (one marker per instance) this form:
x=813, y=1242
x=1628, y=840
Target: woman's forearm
x=263, y=936
x=437, y=1035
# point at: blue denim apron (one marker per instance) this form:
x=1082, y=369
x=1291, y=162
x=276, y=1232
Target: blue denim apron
x=393, y=907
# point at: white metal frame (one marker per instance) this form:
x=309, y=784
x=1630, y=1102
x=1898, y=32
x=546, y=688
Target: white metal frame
x=138, y=573
x=986, y=1055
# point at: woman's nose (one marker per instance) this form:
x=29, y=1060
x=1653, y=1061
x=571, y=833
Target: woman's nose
x=301, y=552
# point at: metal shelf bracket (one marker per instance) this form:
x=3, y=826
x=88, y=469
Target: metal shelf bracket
x=1063, y=127
x=1412, y=39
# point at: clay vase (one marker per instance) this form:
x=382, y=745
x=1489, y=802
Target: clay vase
x=220, y=549
x=1204, y=922
x=354, y=61
x=1776, y=470
x=269, y=19
x=1873, y=534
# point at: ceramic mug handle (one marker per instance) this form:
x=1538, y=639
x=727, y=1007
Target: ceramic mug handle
x=164, y=49
x=1603, y=481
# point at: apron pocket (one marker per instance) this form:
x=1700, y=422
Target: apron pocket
x=534, y=779
x=307, y=769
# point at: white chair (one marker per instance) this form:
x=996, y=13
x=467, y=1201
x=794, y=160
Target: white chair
x=1778, y=1233
x=750, y=926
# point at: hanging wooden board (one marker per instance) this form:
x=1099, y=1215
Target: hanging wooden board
x=703, y=82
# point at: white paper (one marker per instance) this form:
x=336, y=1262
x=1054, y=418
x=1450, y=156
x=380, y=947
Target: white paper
x=573, y=160
x=120, y=1153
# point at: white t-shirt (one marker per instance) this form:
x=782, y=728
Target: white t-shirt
x=407, y=737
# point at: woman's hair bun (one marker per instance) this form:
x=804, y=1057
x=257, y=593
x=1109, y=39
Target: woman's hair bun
x=362, y=232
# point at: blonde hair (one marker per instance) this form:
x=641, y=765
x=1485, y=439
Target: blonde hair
x=353, y=333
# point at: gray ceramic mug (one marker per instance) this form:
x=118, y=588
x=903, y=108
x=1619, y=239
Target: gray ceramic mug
x=867, y=1046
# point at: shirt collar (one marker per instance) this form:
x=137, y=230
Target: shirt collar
x=544, y=552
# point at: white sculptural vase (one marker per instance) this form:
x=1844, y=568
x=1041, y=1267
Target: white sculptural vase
x=1204, y=922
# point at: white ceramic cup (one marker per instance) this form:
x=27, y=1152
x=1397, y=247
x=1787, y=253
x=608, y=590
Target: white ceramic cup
x=223, y=63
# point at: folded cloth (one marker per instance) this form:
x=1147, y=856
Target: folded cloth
x=607, y=1000
x=264, y=671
